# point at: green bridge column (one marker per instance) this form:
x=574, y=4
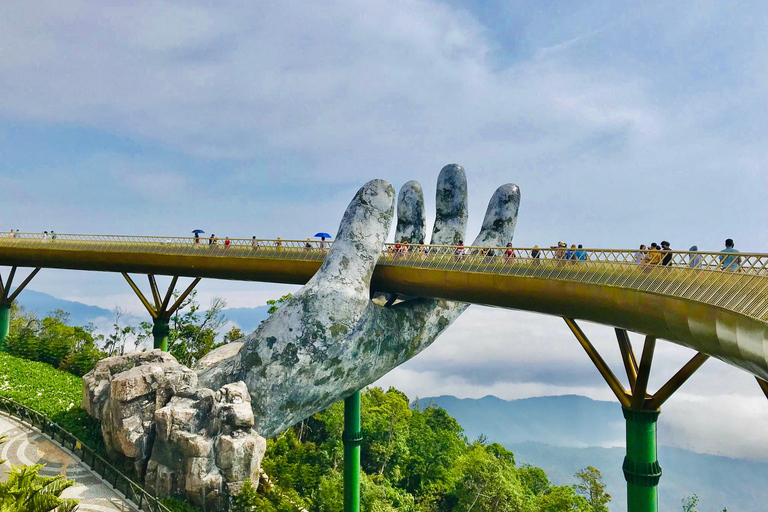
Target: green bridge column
x=352, y=438
x=641, y=467
x=5, y=323
x=160, y=332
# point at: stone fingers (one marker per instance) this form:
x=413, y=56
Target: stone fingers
x=500, y=217
x=451, y=206
x=411, y=218
x=359, y=242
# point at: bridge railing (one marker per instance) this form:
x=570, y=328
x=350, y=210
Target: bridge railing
x=738, y=282
x=734, y=281
x=130, y=489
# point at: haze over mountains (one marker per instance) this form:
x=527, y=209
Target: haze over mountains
x=563, y=434
x=247, y=319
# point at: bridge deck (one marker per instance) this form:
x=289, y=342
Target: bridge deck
x=693, y=301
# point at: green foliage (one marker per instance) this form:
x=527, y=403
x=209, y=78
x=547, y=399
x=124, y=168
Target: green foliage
x=55, y=393
x=27, y=491
x=52, y=341
x=177, y=505
x=690, y=502
x=592, y=488
x=233, y=334
x=413, y=460
x=273, y=500
x=193, y=330
x=274, y=304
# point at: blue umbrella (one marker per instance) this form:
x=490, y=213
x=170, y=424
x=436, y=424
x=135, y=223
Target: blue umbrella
x=198, y=231
x=326, y=235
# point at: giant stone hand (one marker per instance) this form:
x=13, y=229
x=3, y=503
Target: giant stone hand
x=330, y=340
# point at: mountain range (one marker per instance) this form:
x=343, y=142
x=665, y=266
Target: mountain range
x=564, y=434
x=247, y=319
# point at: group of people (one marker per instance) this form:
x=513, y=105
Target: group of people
x=663, y=255
x=563, y=252
x=45, y=235
x=213, y=240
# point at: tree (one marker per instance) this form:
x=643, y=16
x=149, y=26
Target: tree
x=274, y=304
x=591, y=486
x=115, y=343
x=690, y=502
x=27, y=491
x=192, y=332
x=234, y=334
x=535, y=479
x=561, y=499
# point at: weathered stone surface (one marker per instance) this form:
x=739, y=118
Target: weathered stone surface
x=125, y=391
x=330, y=339
x=411, y=216
x=204, y=448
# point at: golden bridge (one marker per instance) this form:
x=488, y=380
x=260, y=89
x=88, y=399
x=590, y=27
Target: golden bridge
x=714, y=303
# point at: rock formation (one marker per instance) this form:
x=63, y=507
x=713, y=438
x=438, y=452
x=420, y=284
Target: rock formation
x=186, y=440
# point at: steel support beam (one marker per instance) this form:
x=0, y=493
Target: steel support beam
x=160, y=312
x=352, y=438
x=627, y=356
x=643, y=374
x=763, y=385
x=641, y=412
x=677, y=380
x=600, y=364
x=6, y=300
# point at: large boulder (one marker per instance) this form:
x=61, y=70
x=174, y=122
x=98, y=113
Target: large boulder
x=125, y=391
x=182, y=439
x=205, y=448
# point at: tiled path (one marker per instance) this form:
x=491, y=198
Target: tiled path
x=26, y=445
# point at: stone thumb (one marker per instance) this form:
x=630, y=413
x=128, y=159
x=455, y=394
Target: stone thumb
x=362, y=233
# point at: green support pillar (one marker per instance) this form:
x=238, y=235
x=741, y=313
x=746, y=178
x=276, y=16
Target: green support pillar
x=352, y=438
x=160, y=332
x=5, y=323
x=641, y=467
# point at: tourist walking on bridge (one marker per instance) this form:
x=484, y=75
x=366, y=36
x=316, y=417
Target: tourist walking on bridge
x=509, y=254
x=667, y=252
x=730, y=262
x=654, y=255
x=694, y=260
x=640, y=254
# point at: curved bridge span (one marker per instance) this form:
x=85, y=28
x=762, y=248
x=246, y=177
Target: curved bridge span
x=693, y=301
x=714, y=303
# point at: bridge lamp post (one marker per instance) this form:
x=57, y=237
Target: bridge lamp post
x=642, y=471
x=6, y=300
x=160, y=310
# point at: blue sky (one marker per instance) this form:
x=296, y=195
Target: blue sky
x=623, y=122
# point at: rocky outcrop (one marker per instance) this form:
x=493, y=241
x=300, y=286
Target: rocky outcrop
x=185, y=440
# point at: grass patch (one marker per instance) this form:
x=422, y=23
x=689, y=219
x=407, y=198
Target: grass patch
x=52, y=392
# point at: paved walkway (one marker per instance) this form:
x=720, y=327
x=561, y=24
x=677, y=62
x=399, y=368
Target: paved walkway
x=27, y=445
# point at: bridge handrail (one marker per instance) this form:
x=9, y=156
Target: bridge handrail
x=735, y=281
x=130, y=489
x=313, y=249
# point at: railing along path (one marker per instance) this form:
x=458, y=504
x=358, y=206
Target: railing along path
x=736, y=282
x=130, y=489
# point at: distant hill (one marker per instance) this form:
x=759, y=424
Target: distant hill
x=247, y=319
x=563, y=434
x=569, y=420
x=738, y=484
